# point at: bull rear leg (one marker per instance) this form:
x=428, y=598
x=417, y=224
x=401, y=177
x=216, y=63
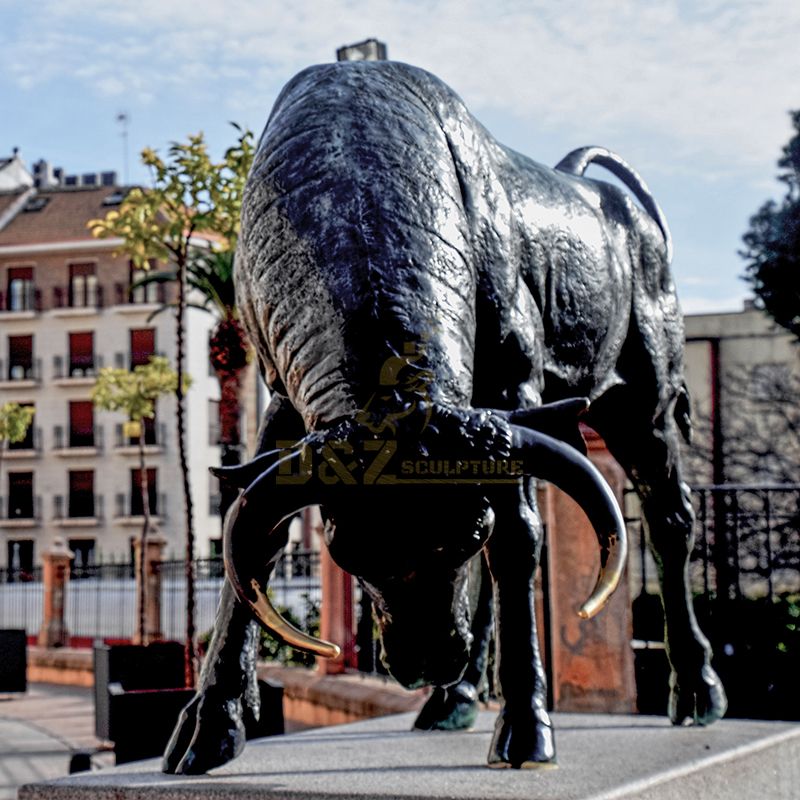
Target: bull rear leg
x=523, y=736
x=455, y=707
x=652, y=461
x=212, y=729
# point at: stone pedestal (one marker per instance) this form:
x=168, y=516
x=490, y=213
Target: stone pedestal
x=592, y=660
x=153, y=556
x=55, y=574
x=600, y=757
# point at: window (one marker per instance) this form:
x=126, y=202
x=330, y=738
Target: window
x=20, y=358
x=81, y=354
x=143, y=345
x=81, y=423
x=20, y=495
x=149, y=426
x=213, y=422
x=27, y=442
x=83, y=291
x=21, y=292
x=137, y=509
x=81, y=493
x=20, y=560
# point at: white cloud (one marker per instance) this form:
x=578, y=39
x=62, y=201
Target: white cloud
x=703, y=81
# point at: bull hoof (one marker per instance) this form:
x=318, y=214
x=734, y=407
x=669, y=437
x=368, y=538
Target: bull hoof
x=451, y=709
x=209, y=733
x=696, y=701
x=523, y=743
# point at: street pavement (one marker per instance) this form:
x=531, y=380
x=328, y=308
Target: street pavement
x=39, y=732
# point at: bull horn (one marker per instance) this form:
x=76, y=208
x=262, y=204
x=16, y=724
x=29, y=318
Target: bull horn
x=552, y=460
x=244, y=546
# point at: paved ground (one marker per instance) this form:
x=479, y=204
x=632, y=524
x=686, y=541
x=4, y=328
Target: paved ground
x=40, y=730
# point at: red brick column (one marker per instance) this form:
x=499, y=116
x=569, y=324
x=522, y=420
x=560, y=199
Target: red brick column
x=336, y=611
x=55, y=573
x=592, y=660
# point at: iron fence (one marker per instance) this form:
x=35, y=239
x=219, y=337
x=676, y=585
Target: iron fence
x=744, y=576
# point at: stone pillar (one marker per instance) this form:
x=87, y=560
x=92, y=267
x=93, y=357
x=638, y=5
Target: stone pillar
x=55, y=573
x=592, y=660
x=336, y=614
x=153, y=556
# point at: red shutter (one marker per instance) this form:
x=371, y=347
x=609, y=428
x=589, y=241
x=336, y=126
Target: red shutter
x=143, y=345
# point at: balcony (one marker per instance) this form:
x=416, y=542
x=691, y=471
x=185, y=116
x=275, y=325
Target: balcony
x=30, y=447
x=155, y=438
x=22, y=512
x=74, y=372
x=69, y=442
x=128, y=509
x=22, y=305
x=68, y=302
x=143, y=298
x=78, y=510
x=20, y=375
x=125, y=360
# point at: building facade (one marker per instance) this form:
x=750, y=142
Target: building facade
x=67, y=309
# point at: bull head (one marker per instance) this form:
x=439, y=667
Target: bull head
x=415, y=575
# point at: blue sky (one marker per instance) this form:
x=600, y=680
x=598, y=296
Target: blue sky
x=694, y=94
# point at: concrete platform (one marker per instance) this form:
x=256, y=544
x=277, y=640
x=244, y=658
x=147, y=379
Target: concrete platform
x=601, y=757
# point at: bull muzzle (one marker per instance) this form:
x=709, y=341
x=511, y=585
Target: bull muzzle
x=267, y=501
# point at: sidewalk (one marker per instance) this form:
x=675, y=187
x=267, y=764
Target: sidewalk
x=40, y=730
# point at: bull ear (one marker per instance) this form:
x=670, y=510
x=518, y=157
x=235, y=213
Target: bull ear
x=559, y=420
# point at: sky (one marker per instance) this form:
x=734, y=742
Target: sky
x=694, y=94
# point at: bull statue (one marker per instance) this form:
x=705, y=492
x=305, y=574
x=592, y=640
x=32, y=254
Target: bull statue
x=432, y=312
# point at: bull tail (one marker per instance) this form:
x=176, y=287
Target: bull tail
x=576, y=163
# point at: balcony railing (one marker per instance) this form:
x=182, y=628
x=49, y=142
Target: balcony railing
x=155, y=436
x=32, y=442
x=78, y=506
x=14, y=371
x=153, y=293
x=91, y=297
x=130, y=505
x=65, y=438
x=64, y=367
x=27, y=301
x=124, y=360
x=21, y=509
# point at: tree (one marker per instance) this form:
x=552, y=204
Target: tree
x=772, y=244
x=192, y=200
x=15, y=420
x=135, y=393
x=209, y=276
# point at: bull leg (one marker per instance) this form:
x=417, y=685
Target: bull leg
x=652, y=461
x=211, y=730
x=456, y=707
x=523, y=736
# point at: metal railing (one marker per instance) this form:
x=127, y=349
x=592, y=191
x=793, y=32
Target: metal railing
x=30, y=300
x=67, y=367
x=21, y=509
x=78, y=506
x=89, y=297
x=154, y=435
x=33, y=441
x=15, y=371
x=130, y=505
x=152, y=293
x=65, y=438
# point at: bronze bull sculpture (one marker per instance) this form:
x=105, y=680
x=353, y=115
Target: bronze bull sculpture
x=429, y=309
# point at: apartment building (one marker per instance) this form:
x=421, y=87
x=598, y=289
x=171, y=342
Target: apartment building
x=67, y=309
